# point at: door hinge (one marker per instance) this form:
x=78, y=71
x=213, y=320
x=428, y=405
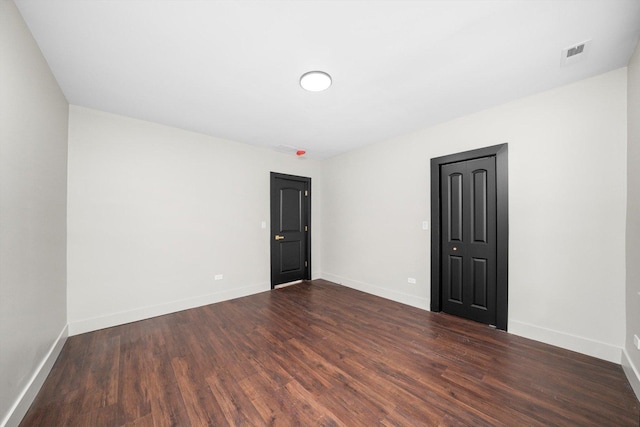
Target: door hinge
x=306, y=193
x=306, y=228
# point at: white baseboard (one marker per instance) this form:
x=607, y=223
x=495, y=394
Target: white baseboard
x=400, y=297
x=575, y=343
x=25, y=399
x=95, y=323
x=632, y=373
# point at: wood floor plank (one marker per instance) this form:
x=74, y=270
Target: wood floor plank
x=103, y=360
x=269, y=399
x=133, y=398
x=235, y=405
x=200, y=403
x=321, y=354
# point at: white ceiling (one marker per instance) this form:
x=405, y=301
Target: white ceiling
x=231, y=68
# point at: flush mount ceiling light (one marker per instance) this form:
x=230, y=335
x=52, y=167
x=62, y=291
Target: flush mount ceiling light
x=315, y=81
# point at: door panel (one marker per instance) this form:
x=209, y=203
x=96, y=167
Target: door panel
x=455, y=207
x=468, y=203
x=480, y=283
x=479, y=224
x=291, y=209
x=290, y=231
x=454, y=281
x=291, y=256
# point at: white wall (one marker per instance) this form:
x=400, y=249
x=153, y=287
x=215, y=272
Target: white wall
x=631, y=361
x=33, y=171
x=567, y=196
x=156, y=212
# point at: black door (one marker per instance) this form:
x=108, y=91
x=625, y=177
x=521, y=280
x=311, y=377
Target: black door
x=468, y=239
x=290, y=228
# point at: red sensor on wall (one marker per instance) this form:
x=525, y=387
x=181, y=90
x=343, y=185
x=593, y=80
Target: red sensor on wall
x=300, y=153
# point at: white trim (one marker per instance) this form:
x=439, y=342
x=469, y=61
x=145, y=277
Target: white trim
x=25, y=399
x=575, y=343
x=632, y=372
x=120, y=318
x=579, y=344
x=400, y=297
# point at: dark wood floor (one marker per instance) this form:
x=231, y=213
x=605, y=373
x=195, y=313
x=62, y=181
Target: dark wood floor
x=321, y=354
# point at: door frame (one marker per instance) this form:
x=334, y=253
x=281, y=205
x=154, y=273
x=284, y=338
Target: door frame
x=306, y=216
x=500, y=152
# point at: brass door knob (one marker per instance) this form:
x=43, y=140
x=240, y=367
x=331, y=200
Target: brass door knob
x=278, y=237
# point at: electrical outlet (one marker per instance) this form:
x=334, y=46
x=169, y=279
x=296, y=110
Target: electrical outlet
x=636, y=342
x=218, y=277
x=411, y=280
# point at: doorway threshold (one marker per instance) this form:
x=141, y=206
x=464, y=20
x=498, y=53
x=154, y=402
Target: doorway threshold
x=284, y=285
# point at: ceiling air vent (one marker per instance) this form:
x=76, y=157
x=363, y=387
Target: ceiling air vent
x=573, y=54
x=575, y=50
